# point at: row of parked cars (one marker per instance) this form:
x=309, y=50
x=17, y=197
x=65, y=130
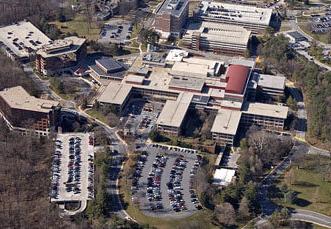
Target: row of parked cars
x=193, y=195
x=56, y=169
x=90, y=186
x=74, y=166
x=174, y=148
x=154, y=178
x=174, y=185
x=145, y=123
x=139, y=168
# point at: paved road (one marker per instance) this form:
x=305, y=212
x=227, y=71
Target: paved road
x=295, y=27
x=312, y=217
x=301, y=114
x=113, y=187
x=268, y=207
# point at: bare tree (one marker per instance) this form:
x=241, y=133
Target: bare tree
x=225, y=214
x=244, y=208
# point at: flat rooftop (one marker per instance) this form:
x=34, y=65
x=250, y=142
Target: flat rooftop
x=19, y=98
x=110, y=64
x=173, y=7
x=236, y=13
x=22, y=38
x=136, y=79
x=223, y=176
x=61, y=47
x=226, y=122
x=173, y=112
x=268, y=110
x=212, y=31
x=115, y=93
x=270, y=81
x=176, y=55
x=189, y=83
x=183, y=68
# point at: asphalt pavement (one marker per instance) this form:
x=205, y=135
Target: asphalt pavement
x=167, y=211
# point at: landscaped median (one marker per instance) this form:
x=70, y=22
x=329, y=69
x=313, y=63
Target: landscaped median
x=201, y=219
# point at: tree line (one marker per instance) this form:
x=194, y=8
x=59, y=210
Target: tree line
x=238, y=202
x=315, y=83
x=25, y=180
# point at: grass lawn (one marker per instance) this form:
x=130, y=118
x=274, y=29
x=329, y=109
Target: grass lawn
x=80, y=26
x=308, y=180
x=98, y=115
x=200, y=219
x=62, y=95
x=303, y=23
x=285, y=26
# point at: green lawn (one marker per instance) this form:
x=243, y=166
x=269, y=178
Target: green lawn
x=201, y=219
x=313, y=189
x=98, y=115
x=80, y=26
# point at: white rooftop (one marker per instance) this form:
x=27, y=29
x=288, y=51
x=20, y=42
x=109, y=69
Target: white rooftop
x=226, y=122
x=263, y=109
x=270, y=81
x=18, y=98
x=213, y=32
x=223, y=176
x=21, y=37
x=176, y=55
x=173, y=112
x=115, y=93
x=235, y=12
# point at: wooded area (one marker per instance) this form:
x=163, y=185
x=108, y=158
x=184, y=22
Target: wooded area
x=315, y=83
x=237, y=203
x=25, y=163
x=12, y=75
x=17, y=10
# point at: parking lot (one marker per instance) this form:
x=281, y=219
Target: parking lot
x=73, y=168
x=321, y=24
x=162, y=182
x=116, y=32
x=141, y=118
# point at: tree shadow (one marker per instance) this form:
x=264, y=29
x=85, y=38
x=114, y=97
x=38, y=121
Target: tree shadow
x=305, y=184
x=301, y=202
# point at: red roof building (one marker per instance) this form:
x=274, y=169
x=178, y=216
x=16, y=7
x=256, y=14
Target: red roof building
x=236, y=77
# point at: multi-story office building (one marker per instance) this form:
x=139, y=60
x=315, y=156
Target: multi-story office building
x=173, y=114
x=225, y=126
x=108, y=69
x=171, y=17
x=266, y=116
x=271, y=86
x=60, y=55
x=21, y=40
x=116, y=95
x=194, y=83
x=23, y=112
x=251, y=18
x=210, y=36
